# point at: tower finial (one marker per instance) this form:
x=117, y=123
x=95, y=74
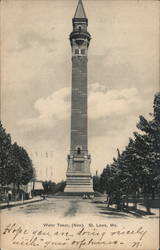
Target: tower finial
x=80, y=12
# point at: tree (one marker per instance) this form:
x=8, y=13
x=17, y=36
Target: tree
x=25, y=163
x=60, y=186
x=22, y=171
x=5, y=147
x=151, y=158
x=110, y=182
x=15, y=164
x=14, y=169
x=131, y=169
x=96, y=183
x=49, y=187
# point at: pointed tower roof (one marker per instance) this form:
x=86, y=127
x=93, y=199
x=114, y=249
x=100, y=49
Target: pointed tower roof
x=80, y=12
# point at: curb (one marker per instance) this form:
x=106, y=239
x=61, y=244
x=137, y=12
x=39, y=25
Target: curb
x=19, y=203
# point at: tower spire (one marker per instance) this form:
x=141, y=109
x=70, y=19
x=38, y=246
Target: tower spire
x=80, y=12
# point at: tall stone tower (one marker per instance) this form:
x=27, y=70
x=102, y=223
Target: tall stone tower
x=78, y=172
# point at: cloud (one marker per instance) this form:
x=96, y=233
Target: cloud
x=105, y=102
x=54, y=105
x=50, y=110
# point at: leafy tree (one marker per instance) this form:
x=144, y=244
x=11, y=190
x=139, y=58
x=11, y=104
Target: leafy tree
x=151, y=156
x=96, y=183
x=5, y=147
x=27, y=171
x=19, y=166
x=49, y=187
x=52, y=187
x=103, y=181
x=60, y=186
x=131, y=167
x=15, y=165
x=107, y=179
x=14, y=169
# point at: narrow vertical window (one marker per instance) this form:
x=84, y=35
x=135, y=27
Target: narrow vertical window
x=83, y=51
x=76, y=51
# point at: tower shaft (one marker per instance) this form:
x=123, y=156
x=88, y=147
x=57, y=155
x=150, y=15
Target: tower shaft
x=79, y=104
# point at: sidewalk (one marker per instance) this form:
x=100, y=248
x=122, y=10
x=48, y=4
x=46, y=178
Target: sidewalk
x=18, y=203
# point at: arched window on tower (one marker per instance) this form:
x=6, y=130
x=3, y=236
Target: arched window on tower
x=78, y=150
x=80, y=28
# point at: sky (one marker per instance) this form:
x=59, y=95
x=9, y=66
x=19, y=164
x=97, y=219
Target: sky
x=123, y=76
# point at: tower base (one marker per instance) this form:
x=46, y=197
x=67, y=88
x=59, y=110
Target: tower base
x=78, y=176
x=79, y=184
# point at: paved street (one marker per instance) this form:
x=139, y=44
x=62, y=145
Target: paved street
x=73, y=207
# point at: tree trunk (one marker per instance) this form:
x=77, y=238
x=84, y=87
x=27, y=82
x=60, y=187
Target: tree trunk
x=147, y=204
x=153, y=193
x=33, y=188
x=109, y=200
x=134, y=200
x=118, y=202
x=127, y=201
